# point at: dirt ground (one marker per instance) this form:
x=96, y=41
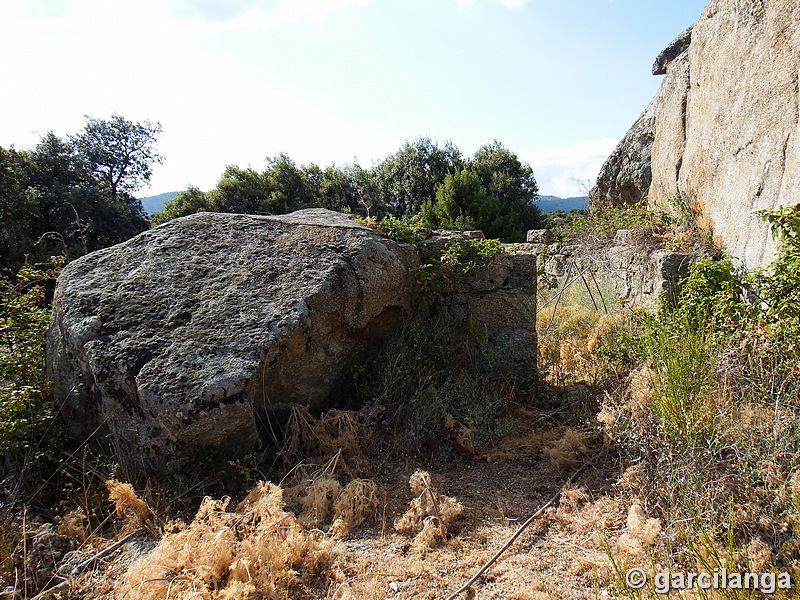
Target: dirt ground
x=553, y=558
x=563, y=554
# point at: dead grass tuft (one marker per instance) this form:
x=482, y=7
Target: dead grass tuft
x=229, y=555
x=358, y=501
x=129, y=505
x=428, y=536
x=427, y=506
x=74, y=525
x=463, y=435
x=642, y=531
x=567, y=451
x=317, y=501
x=759, y=556
x=641, y=391
x=336, y=431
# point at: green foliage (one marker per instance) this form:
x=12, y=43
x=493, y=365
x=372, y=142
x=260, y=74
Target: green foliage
x=400, y=231
x=561, y=219
x=184, y=203
x=405, y=180
x=29, y=429
x=18, y=207
x=682, y=214
x=712, y=297
x=432, y=376
x=492, y=191
x=121, y=153
x=512, y=183
x=712, y=417
x=496, y=194
x=75, y=196
x=348, y=189
x=600, y=225
x=779, y=287
x=442, y=273
x=461, y=203
x=684, y=357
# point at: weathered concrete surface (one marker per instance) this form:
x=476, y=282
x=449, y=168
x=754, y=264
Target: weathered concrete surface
x=191, y=333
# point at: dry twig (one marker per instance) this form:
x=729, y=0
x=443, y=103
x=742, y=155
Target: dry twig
x=513, y=538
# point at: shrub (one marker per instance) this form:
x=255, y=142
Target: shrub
x=434, y=380
x=29, y=429
x=600, y=225
x=709, y=423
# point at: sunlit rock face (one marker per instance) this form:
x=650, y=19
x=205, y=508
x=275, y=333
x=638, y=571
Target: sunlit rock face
x=725, y=122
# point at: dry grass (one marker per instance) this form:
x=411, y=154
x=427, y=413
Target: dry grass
x=333, y=432
x=429, y=513
x=567, y=451
x=569, y=336
x=229, y=554
x=128, y=505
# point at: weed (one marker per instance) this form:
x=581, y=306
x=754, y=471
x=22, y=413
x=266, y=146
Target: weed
x=436, y=373
x=429, y=513
x=443, y=272
x=601, y=225
x=30, y=432
x=396, y=229
x=232, y=553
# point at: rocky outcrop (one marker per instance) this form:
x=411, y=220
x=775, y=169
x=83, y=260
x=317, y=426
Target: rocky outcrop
x=194, y=333
x=625, y=176
x=669, y=125
x=676, y=48
x=204, y=331
x=726, y=122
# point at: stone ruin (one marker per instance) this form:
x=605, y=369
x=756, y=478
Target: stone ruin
x=196, y=332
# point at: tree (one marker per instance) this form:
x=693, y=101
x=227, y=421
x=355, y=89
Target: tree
x=79, y=212
x=240, y=191
x=504, y=177
x=18, y=207
x=184, y=203
x=407, y=179
x=461, y=203
x=121, y=152
x=348, y=189
x=74, y=196
x=287, y=186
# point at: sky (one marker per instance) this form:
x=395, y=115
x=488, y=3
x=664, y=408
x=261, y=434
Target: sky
x=233, y=82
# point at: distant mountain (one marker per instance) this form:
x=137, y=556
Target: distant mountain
x=154, y=204
x=554, y=203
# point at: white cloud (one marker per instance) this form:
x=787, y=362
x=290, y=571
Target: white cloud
x=567, y=171
x=290, y=11
x=511, y=3
x=464, y=4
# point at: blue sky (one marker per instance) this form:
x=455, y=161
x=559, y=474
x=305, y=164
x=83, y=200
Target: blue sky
x=333, y=81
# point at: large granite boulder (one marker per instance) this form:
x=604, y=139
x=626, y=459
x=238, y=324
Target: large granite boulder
x=196, y=332
x=726, y=130
x=625, y=176
x=742, y=151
